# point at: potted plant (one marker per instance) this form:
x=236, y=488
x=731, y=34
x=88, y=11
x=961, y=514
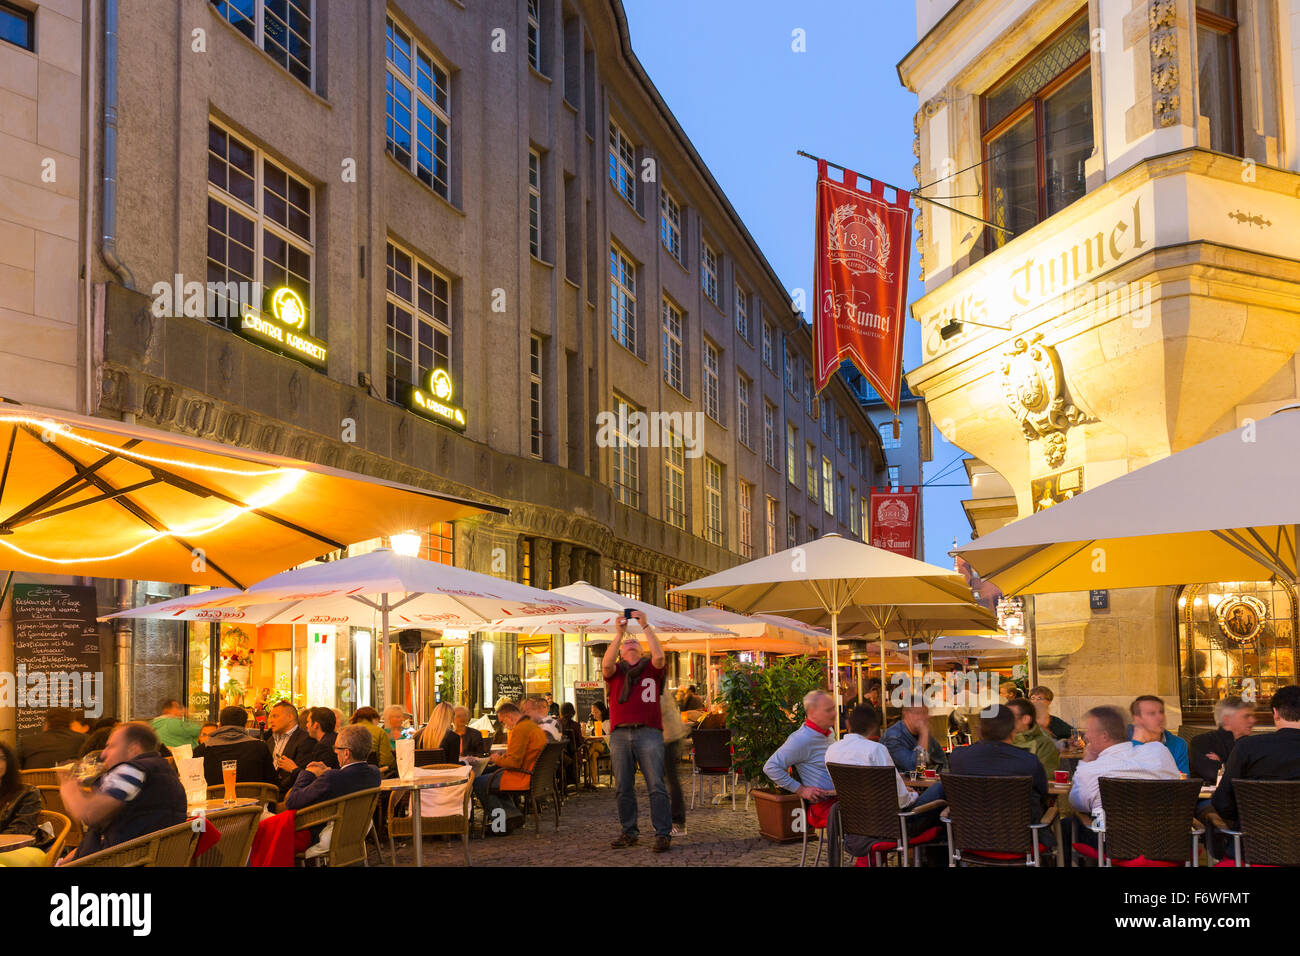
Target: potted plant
x=764, y=706
x=236, y=656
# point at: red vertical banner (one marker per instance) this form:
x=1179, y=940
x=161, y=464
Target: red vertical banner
x=863, y=252
x=893, y=519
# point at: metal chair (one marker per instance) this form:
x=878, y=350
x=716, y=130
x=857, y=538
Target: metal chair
x=867, y=805
x=172, y=846
x=989, y=821
x=351, y=816
x=60, y=824
x=804, y=831
x=542, y=785
x=711, y=757
x=1269, y=831
x=453, y=825
x=237, y=827
x=1146, y=823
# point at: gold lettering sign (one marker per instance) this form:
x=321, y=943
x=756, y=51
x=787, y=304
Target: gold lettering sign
x=434, y=401
x=280, y=331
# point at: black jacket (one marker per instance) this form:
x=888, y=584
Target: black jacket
x=252, y=760
x=300, y=748
x=995, y=758
x=310, y=789
x=472, y=745
x=47, y=748
x=1274, y=756
x=324, y=751
x=1218, y=742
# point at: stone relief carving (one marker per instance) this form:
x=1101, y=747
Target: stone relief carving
x=1164, y=63
x=295, y=390
x=927, y=110
x=1033, y=387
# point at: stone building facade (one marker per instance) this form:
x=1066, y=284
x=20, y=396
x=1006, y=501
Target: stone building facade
x=1135, y=293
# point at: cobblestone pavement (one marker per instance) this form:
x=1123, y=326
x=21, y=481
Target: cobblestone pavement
x=716, y=836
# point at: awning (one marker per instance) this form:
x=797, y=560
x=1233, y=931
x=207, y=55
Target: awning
x=94, y=497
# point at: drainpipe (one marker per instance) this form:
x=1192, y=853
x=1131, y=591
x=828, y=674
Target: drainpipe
x=108, y=243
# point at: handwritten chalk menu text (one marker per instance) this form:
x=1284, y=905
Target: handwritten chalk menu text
x=54, y=633
x=509, y=685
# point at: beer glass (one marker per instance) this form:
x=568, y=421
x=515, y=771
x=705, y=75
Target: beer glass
x=228, y=778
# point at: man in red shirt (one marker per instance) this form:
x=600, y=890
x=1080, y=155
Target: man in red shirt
x=634, y=683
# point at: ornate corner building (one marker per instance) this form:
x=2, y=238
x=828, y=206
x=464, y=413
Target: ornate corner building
x=1133, y=289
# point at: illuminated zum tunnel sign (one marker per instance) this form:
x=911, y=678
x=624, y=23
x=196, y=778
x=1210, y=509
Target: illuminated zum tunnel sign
x=280, y=327
x=434, y=401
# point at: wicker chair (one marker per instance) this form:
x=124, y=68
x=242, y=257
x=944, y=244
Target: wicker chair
x=238, y=827
x=711, y=757
x=1147, y=823
x=543, y=785
x=45, y=777
x=454, y=825
x=52, y=799
x=61, y=825
x=867, y=805
x=351, y=818
x=261, y=792
x=989, y=821
x=1269, y=831
x=170, y=847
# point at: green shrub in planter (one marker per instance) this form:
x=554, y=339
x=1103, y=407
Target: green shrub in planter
x=764, y=707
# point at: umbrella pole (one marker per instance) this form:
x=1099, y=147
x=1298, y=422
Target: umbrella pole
x=835, y=664
x=884, y=707
x=382, y=643
x=708, y=674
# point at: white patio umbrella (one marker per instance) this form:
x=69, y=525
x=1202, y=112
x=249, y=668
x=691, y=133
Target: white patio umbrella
x=1224, y=510
x=970, y=645
x=830, y=575
x=768, y=633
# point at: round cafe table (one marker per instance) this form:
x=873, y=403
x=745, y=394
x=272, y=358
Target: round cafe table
x=417, y=815
x=15, y=841
x=212, y=806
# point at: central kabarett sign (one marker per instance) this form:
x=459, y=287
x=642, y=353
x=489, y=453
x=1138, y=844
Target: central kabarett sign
x=863, y=250
x=893, y=519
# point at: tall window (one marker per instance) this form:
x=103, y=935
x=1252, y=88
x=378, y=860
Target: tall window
x=893, y=476
x=824, y=413
x=769, y=355
x=16, y=26
x=862, y=510
x=791, y=371
x=535, y=203
x=418, y=110
x=792, y=454
x=713, y=528
x=1217, y=73
x=841, y=496
x=535, y=395
x=839, y=430
x=283, y=28
x=534, y=34
x=853, y=510
x=770, y=525
x=622, y=161
x=419, y=320
x=712, y=397
x=742, y=409
x=259, y=222
x=675, y=482
x=769, y=434
x=853, y=450
x=810, y=465
x=622, y=298
x=828, y=486
x=670, y=223
x=672, y=319
x=887, y=439
x=742, y=312
x=626, y=472
x=809, y=402
x=1048, y=97
x=709, y=273
x=626, y=582
x=791, y=529
x=745, y=498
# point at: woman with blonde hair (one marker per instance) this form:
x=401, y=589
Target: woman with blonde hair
x=439, y=723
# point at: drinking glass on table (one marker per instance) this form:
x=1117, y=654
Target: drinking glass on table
x=228, y=778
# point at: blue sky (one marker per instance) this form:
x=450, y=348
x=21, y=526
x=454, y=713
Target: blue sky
x=727, y=70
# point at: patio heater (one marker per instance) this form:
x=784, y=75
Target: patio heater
x=411, y=642
x=860, y=654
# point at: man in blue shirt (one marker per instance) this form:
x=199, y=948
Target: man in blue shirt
x=907, y=734
x=1148, y=713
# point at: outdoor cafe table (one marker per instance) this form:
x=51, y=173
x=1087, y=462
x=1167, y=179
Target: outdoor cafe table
x=417, y=814
x=15, y=841
x=212, y=806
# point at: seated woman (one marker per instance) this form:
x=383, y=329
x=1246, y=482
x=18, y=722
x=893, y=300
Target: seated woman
x=382, y=744
x=431, y=737
x=20, y=813
x=595, y=744
x=462, y=740
x=572, y=731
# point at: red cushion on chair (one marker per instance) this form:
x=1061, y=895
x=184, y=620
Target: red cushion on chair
x=1226, y=863
x=819, y=813
x=1143, y=861
x=273, y=843
x=1084, y=850
x=998, y=855
x=1231, y=861
x=209, y=835
x=925, y=836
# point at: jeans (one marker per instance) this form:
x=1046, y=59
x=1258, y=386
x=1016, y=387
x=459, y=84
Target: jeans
x=487, y=788
x=672, y=760
x=643, y=746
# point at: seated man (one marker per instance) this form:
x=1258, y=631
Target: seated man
x=317, y=783
x=909, y=733
x=1233, y=719
x=1274, y=756
x=321, y=722
x=230, y=741
x=1111, y=754
x=534, y=708
x=57, y=742
x=1042, y=698
x=1031, y=736
x=804, y=751
x=138, y=793
x=510, y=771
x=1149, y=727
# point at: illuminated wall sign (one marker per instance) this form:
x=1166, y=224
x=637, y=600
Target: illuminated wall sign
x=280, y=328
x=434, y=401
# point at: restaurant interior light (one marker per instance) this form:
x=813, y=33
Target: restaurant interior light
x=407, y=543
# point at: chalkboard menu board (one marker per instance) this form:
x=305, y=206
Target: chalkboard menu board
x=586, y=693
x=508, y=685
x=55, y=633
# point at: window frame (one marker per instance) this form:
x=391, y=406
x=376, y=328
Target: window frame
x=626, y=459
x=29, y=19
x=535, y=203
x=742, y=311
x=768, y=345
x=769, y=434
x=259, y=37
x=417, y=314
x=1217, y=23
x=709, y=274
x=715, y=531
x=769, y=523
x=675, y=481
x=533, y=34
x=674, y=352
x=745, y=516
x=535, y=397
x=622, y=170
x=828, y=486
x=744, y=392
x=411, y=82
x=712, y=370
x=670, y=224
x=792, y=453
x=621, y=295
x=810, y=466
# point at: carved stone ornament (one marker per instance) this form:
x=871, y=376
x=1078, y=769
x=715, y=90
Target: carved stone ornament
x=1164, y=63
x=1033, y=387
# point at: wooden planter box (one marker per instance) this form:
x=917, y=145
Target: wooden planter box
x=776, y=813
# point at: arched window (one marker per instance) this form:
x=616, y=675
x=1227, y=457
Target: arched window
x=1235, y=638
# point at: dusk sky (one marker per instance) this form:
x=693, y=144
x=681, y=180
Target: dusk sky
x=748, y=102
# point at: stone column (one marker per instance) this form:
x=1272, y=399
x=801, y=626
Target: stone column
x=561, y=554
x=651, y=587
x=541, y=558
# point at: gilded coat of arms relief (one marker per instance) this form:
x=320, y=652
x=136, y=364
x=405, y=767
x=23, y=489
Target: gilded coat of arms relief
x=1033, y=387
